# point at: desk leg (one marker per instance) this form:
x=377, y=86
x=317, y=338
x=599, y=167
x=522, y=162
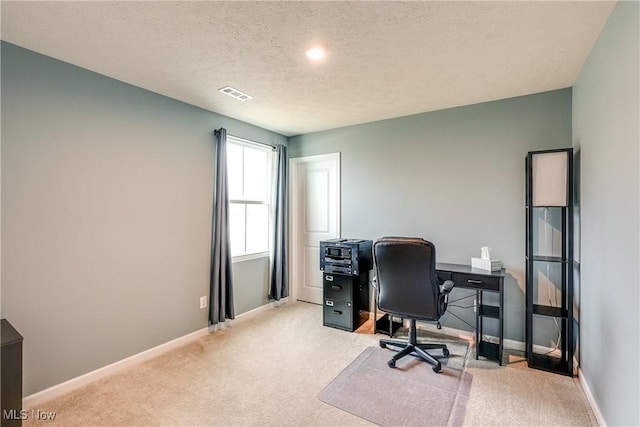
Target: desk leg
x=375, y=311
x=478, y=321
x=501, y=315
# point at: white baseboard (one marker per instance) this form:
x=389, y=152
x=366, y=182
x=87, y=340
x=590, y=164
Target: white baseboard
x=450, y=332
x=470, y=336
x=591, y=400
x=257, y=310
x=34, y=400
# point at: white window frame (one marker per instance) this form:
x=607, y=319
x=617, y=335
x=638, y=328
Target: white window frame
x=267, y=148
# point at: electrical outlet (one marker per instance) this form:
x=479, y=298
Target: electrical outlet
x=203, y=302
x=475, y=305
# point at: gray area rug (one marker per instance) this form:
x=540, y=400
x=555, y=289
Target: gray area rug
x=409, y=395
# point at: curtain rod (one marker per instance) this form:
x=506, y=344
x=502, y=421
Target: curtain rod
x=248, y=141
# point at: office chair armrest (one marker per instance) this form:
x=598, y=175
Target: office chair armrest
x=446, y=287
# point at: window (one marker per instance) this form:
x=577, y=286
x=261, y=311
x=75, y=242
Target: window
x=249, y=175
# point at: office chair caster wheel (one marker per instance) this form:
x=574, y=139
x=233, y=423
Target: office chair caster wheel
x=391, y=363
x=437, y=368
x=445, y=352
x=383, y=345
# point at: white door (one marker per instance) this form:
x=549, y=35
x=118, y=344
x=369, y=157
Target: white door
x=315, y=216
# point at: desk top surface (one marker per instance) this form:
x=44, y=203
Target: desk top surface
x=467, y=269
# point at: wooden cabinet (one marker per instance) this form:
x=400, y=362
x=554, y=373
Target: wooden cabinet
x=11, y=371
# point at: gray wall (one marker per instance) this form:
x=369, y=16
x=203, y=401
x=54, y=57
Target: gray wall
x=250, y=284
x=455, y=177
x=606, y=132
x=106, y=216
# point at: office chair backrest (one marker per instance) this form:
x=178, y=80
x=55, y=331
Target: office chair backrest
x=406, y=278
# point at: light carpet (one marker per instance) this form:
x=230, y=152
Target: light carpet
x=268, y=368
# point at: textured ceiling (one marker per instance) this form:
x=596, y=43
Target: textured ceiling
x=385, y=59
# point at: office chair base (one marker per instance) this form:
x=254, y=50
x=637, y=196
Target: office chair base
x=412, y=347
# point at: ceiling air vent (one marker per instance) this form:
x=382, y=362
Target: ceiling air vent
x=235, y=93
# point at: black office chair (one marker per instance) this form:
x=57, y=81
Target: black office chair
x=408, y=287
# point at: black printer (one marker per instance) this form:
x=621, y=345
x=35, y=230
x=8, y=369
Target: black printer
x=346, y=256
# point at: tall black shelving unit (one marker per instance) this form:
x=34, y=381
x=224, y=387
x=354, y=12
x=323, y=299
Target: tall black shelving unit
x=549, y=260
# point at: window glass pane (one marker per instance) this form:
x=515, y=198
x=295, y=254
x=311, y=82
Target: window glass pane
x=257, y=228
x=249, y=170
x=236, y=228
x=255, y=174
x=234, y=170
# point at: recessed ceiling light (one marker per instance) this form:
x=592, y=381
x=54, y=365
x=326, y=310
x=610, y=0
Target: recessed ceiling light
x=316, y=53
x=235, y=93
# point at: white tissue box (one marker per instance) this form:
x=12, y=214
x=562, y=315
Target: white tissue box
x=486, y=264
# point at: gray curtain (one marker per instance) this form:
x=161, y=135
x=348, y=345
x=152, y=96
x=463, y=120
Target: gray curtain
x=279, y=270
x=221, y=283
